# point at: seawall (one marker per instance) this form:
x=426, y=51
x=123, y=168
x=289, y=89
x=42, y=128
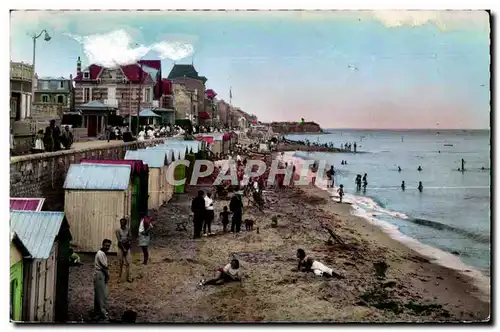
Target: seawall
x=43, y=174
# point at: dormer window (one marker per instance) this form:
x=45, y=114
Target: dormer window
x=86, y=75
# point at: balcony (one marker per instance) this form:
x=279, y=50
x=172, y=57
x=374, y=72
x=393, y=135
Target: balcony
x=111, y=102
x=21, y=71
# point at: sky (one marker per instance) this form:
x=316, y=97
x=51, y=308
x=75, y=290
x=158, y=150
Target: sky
x=341, y=69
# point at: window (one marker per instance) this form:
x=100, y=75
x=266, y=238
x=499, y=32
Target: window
x=45, y=99
x=60, y=99
x=86, y=75
x=147, y=95
x=61, y=85
x=86, y=95
x=44, y=85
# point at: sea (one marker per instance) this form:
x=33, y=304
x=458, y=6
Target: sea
x=450, y=220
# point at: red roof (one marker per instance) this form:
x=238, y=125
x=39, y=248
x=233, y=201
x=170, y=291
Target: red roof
x=156, y=64
x=210, y=93
x=26, y=204
x=204, y=115
x=137, y=165
x=131, y=71
x=207, y=139
x=166, y=86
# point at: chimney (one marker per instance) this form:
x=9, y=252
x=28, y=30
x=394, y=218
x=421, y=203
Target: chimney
x=78, y=66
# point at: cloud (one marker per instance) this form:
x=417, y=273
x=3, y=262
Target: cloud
x=173, y=50
x=443, y=19
x=117, y=48
x=111, y=49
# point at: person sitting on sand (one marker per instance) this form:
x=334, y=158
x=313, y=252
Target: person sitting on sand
x=341, y=192
x=308, y=264
x=228, y=273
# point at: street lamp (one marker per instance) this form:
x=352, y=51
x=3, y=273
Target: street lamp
x=46, y=37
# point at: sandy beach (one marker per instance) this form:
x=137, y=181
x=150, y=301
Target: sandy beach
x=411, y=289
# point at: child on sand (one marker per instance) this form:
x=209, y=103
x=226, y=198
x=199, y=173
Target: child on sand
x=224, y=216
x=341, y=192
x=228, y=273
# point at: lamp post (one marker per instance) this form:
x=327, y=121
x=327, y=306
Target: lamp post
x=35, y=37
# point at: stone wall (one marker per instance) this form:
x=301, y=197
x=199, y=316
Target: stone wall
x=42, y=175
x=46, y=111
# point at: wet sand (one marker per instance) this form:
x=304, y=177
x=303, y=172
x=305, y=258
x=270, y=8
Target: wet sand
x=166, y=290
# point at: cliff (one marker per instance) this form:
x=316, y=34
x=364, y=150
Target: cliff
x=295, y=127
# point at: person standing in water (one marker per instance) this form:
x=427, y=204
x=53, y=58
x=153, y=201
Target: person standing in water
x=365, y=182
x=355, y=146
x=341, y=192
x=463, y=165
x=420, y=186
x=358, y=182
x=399, y=168
x=419, y=168
x=403, y=186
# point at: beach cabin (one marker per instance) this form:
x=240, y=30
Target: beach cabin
x=166, y=187
x=96, y=197
x=139, y=181
x=39, y=266
x=180, y=151
x=26, y=204
x=157, y=163
x=192, y=148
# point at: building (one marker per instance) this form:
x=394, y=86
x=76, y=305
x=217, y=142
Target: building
x=53, y=90
x=123, y=87
x=223, y=110
x=21, y=78
x=194, y=84
x=183, y=101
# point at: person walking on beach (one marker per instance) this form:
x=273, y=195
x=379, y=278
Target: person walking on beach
x=236, y=207
x=365, y=182
x=209, y=215
x=124, y=240
x=314, y=169
x=145, y=237
x=198, y=209
x=341, y=192
x=101, y=278
x=330, y=175
x=403, y=186
x=420, y=186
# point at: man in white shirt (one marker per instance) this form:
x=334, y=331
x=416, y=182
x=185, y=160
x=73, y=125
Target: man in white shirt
x=209, y=215
x=101, y=277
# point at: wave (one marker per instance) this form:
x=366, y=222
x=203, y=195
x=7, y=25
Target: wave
x=365, y=207
x=440, y=226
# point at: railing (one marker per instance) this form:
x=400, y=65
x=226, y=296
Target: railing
x=21, y=71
